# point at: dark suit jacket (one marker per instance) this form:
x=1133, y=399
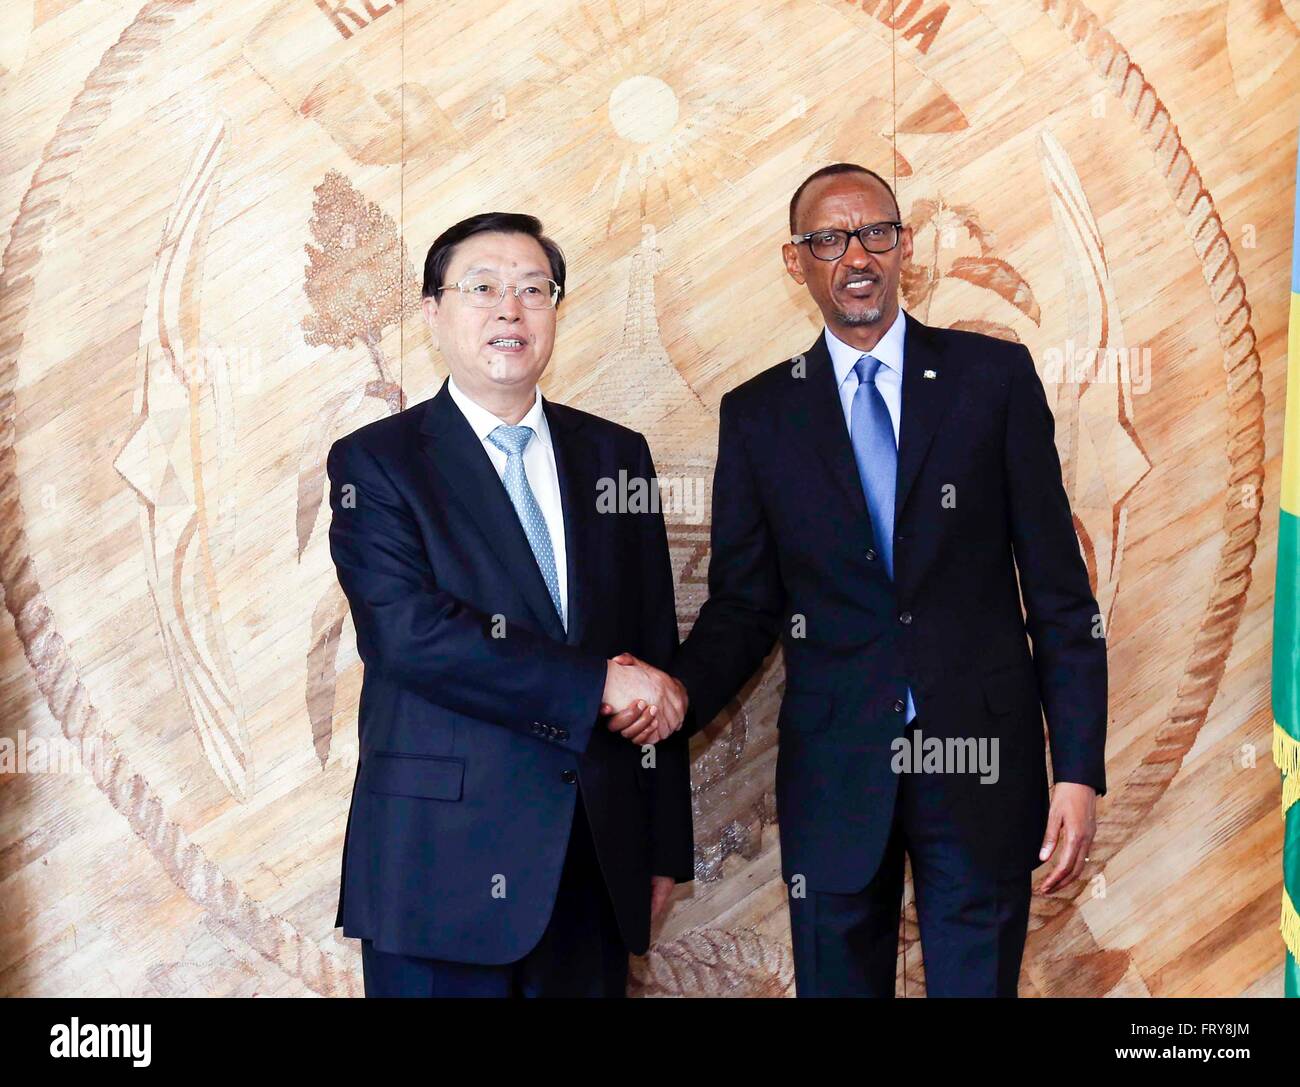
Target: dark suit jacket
x=478, y=715
x=793, y=553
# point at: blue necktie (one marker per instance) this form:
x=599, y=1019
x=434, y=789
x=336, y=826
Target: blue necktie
x=874, y=448
x=512, y=440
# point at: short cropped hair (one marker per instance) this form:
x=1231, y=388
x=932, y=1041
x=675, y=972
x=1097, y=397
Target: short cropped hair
x=500, y=222
x=838, y=168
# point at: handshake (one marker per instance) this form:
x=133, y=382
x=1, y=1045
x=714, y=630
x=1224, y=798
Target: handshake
x=644, y=704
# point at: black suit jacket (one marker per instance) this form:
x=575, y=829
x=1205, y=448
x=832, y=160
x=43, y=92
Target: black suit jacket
x=793, y=553
x=478, y=715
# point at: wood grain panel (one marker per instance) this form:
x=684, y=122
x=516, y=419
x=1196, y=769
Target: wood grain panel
x=214, y=219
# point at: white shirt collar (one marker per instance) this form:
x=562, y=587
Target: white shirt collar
x=889, y=350
x=483, y=422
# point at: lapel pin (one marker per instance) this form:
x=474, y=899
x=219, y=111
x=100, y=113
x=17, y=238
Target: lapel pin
x=928, y=373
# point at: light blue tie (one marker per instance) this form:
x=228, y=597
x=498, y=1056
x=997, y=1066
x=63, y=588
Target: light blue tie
x=512, y=440
x=874, y=448
x=872, y=431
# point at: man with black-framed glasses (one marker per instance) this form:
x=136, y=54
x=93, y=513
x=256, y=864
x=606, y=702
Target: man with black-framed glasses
x=882, y=503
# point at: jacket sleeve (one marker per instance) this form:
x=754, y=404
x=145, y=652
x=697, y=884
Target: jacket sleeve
x=1061, y=613
x=740, y=621
x=425, y=639
x=672, y=846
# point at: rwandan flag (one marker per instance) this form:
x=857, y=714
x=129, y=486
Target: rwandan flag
x=1286, y=632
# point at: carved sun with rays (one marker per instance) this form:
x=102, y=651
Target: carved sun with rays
x=673, y=98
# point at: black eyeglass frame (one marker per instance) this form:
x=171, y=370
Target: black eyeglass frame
x=798, y=239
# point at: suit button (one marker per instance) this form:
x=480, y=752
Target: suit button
x=561, y=733
x=568, y=777
x=905, y=618
x=871, y=554
x=538, y=728
x=900, y=706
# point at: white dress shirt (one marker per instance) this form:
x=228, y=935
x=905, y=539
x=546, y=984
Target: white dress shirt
x=539, y=467
x=889, y=378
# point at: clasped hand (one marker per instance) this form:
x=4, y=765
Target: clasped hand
x=644, y=704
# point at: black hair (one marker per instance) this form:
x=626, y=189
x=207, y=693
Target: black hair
x=838, y=168
x=501, y=222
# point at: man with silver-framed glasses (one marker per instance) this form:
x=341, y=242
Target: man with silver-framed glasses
x=502, y=838
x=882, y=503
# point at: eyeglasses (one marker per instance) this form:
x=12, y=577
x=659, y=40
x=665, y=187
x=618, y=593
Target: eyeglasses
x=484, y=292
x=832, y=244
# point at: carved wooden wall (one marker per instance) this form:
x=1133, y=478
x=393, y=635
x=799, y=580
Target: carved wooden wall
x=213, y=217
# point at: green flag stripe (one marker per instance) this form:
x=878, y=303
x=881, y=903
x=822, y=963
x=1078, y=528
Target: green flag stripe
x=1291, y=899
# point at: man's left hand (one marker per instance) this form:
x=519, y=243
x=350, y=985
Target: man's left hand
x=1072, y=822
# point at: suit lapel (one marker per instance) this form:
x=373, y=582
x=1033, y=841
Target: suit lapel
x=925, y=401
x=455, y=452
x=822, y=419
x=575, y=464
